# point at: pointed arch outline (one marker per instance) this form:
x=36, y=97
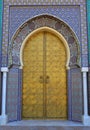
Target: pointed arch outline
x=53, y=31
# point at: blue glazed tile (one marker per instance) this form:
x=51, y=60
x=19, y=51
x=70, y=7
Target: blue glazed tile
x=69, y=14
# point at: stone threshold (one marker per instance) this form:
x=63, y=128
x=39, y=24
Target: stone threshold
x=44, y=123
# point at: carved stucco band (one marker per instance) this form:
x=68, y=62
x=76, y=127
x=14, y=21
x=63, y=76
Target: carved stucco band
x=44, y=21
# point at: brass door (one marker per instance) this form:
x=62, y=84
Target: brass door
x=44, y=78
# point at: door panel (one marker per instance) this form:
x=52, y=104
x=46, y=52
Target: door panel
x=44, y=77
x=33, y=69
x=56, y=95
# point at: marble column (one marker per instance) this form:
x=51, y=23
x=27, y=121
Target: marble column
x=85, y=117
x=3, y=117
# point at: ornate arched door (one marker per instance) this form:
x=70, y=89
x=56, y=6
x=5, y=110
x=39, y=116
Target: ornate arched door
x=44, y=77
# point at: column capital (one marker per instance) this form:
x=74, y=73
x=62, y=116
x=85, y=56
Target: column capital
x=4, y=69
x=84, y=69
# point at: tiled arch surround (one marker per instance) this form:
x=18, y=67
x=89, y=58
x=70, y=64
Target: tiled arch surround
x=44, y=21
x=74, y=74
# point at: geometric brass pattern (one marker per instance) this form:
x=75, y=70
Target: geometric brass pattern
x=44, y=77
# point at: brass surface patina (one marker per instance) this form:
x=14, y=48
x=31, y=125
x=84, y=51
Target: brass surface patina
x=44, y=77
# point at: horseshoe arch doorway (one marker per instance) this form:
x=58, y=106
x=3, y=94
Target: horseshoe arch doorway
x=45, y=57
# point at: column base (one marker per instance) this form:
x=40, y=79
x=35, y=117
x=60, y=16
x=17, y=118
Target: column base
x=3, y=120
x=86, y=120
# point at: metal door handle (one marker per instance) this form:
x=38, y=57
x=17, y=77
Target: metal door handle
x=47, y=79
x=41, y=79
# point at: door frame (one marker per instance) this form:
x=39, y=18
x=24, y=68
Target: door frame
x=56, y=34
